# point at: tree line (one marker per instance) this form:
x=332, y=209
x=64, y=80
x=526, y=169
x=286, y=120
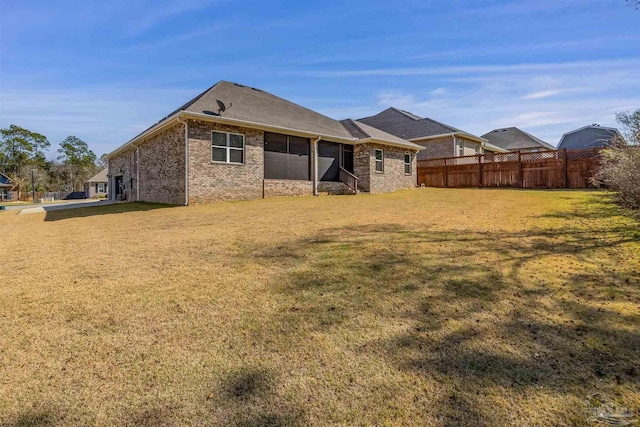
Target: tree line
x=23, y=160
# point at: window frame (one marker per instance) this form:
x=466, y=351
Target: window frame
x=381, y=161
x=103, y=185
x=228, y=148
x=407, y=163
x=460, y=148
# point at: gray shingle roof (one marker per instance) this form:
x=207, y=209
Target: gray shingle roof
x=409, y=126
x=588, y=137
x=362, y=130
x=100, y=176
x=255, y=105
x=514, y=139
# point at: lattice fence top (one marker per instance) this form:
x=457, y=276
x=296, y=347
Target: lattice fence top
x=539, y=155
x=488, y=158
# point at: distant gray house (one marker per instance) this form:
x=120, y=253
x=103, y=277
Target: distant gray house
x=593, y=136
x=514, y=139
x=97, y=185
x=438, y=139
x=5, y=187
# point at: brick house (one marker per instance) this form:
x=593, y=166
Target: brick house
x=236, y=142
x=438, y=139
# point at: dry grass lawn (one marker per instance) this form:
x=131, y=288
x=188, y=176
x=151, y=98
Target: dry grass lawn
x=425, y=307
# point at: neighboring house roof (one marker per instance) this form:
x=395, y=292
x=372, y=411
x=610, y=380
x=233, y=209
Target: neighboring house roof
x=494, y=148
x=593, y=136
x=255, y=108
x=100, y=176
x=514, y=139
x=5, y=181
x=404, y=124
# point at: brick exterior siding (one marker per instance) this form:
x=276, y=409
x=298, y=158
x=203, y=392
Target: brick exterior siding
x=445, y=147
x=124, y=164
x=209, y=181
x=162, y=169
x=392, y=179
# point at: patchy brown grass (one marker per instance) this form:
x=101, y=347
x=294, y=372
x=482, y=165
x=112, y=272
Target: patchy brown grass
x=425, y=307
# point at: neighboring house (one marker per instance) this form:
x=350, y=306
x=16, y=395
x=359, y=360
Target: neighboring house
x=97, y=186
x=594, y=136
x=5, y=187
x=514, y=139
x=235, y=142
x=438, y=139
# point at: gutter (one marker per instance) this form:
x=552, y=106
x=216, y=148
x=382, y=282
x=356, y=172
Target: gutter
x=315, y=166
x=243, y=123
x=454, y=134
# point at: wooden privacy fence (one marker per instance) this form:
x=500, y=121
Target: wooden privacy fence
x=541, y=169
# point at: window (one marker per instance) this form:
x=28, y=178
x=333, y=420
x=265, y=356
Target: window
x=460, y=148
x=407, y=164
x=286, y=157
x=100, y=187
x=477, y=146
x=379, y=161
x=227, y=147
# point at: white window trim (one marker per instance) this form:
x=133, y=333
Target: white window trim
x=405, y=163
x=375, y=158
x=229, y=148
x=104, y=187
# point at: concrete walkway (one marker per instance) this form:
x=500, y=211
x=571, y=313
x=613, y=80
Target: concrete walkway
x=48, y=207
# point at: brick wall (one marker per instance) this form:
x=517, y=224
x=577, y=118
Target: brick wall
x=123, y=164
x=209, y=181
x=287, y=187
x=329, y=187
x=393, y=178
x=436, y=148
x=162, y=167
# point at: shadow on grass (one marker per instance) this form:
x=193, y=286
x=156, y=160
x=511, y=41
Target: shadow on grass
x=117, y=208
x=33, y=418
x=476, y=324
x=247, y=398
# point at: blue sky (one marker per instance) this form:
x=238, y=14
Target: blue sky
x=104, y=71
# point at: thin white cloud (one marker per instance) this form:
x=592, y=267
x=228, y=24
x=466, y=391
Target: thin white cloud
x=541, y=94
x=475, y=69
x=157, y=13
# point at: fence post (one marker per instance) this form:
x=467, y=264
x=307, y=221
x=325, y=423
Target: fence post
x=520, y=169
x=480, y=168
x=446, y=174
x=566, y=168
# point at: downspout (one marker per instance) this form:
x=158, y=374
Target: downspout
x=455, y=146
x=186, y=161
x=315, y=166
x=137, y=171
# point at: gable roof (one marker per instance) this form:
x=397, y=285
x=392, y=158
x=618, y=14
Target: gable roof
x=364, y=131
x=513, y=138
x=593, y=136
x=255, y=108
x=100, y=176
x=404, y=124
x=5, y=181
